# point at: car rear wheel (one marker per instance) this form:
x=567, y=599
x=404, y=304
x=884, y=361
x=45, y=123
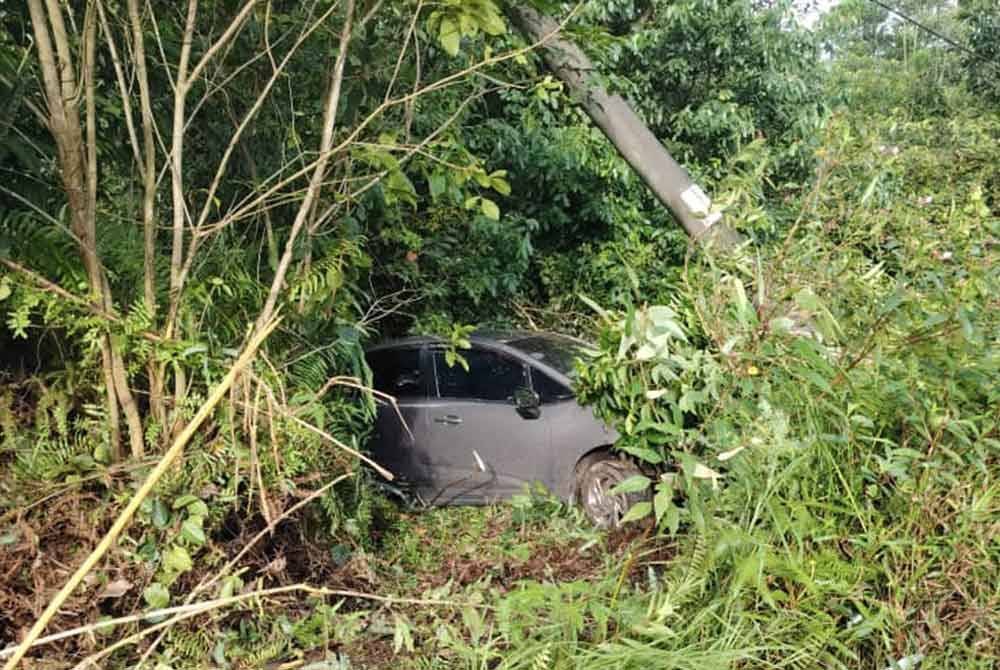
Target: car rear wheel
x=596, y=476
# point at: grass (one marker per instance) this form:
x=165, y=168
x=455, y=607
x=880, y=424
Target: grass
x=901, y=572
x=877, y=584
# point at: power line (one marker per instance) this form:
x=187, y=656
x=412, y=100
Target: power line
x=944, y=38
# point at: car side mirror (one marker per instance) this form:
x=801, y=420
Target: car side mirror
x=527, y=403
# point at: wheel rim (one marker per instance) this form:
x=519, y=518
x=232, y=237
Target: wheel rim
x=603, y=507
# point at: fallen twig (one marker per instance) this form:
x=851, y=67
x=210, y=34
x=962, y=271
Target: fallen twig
x=181, y=612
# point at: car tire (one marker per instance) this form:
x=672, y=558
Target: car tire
x=596, y=475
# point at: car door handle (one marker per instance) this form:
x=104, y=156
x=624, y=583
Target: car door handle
x=449, y=419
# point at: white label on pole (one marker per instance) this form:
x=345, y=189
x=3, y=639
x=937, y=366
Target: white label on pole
x=696, y=200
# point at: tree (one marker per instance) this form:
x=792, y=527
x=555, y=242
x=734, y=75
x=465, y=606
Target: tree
x=982, y=21
x=229, y=148
x=630, y=135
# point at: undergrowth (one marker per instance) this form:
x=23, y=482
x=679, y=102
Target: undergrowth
x=825, y=408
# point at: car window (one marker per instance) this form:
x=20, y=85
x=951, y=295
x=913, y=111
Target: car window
x=557, y=351
x=397, y=372
x=491, y=376
x=547, y=388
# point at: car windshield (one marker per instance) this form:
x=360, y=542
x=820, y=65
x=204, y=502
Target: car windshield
x=556, y=351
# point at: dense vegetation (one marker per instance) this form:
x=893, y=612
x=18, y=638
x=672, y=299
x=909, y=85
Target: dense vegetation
x=822, y=404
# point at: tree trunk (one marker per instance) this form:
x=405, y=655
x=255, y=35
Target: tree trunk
x=668, y=181
x=78, y=168
x=181, y=88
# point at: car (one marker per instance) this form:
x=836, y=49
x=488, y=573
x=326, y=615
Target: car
x=483, y=428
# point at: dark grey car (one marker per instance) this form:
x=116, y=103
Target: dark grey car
x=479, y=435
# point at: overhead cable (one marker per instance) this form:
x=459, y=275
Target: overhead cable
x=944, y=38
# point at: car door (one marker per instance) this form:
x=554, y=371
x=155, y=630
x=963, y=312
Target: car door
x=399, y=439
x=480, y=448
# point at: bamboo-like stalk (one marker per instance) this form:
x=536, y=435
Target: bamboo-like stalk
x=182, y=86
x=179, y=207
x=147, y=169
x=220, y=390
x=185, y=78
x=118, y=378
x=114, y=415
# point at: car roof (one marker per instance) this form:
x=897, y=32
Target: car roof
x=501, y=337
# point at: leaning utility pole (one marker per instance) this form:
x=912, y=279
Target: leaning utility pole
x=668, y=181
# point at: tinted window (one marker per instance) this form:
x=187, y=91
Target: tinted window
x=555, y=351
x=490, y=376
x=397, y=372
x=548, y=389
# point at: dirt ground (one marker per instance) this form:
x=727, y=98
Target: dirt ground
x=44, y=545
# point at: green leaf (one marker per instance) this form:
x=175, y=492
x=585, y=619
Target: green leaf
x=230, y=585
x=639, y=510
x=492, y=23
x=177, y=559
x=501, y=185
x=219, y=654
x=402, y=638
x=467, y=25
x=603, y=313
x=483, y=179
x=160, y=514
x=808, y=300
x=633, y=484
x=490, y=209
x=665, y=509
x=449, y=36
x=870, y=190
x=192, y=532
x=102, y=454
x=438, y=183
x=184, y=501
x=5, y=289
x=156, y=596
x=644, y=453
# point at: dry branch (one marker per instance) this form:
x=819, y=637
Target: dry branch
x=319, y=169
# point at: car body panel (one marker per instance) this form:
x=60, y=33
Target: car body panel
x=473, y=460
x=576, y=432
x=463, y=450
